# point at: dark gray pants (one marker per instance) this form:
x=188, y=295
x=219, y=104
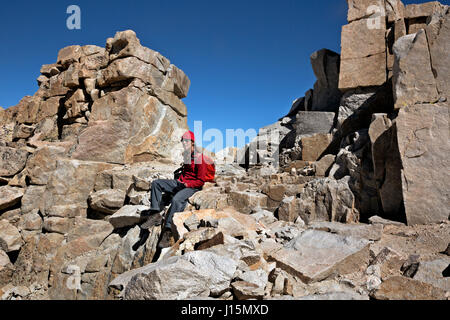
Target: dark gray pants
x=180, y=194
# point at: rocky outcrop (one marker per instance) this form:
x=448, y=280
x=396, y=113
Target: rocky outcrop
x=118, y=104
x=62, y=166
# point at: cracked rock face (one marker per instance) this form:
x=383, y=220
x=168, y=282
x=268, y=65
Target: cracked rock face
x=424, y=145
x=413, y=77
x=121, y=104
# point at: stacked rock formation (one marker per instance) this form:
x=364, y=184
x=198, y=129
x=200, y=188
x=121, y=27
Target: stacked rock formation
x=381, y=109
x=119, y=104
x=97, y=112
x=357, y=210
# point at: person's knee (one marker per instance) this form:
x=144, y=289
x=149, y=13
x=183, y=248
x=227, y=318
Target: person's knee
x=156, y=183
x=178, y=201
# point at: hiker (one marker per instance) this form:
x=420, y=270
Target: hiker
x=192, y=178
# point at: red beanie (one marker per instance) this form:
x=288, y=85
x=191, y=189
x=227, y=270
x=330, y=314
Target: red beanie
x=188, y=136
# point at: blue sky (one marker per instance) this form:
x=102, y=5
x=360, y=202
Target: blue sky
x=247, y=59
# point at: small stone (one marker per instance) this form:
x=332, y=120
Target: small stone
x=192, y=223
x=127, y=216
x=4, y=259
x=10, y=238
x=10, y=196
x=107, y=201
x=244, y=290
x=31, y=221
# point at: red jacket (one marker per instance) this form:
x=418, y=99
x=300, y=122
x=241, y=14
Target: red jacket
x=194, y=174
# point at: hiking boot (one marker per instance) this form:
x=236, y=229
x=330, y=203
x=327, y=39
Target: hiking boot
x=153, y=220
x=167, y=239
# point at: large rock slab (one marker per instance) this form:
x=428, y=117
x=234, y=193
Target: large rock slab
x=316, y=255
x=42, y=163
x=363, y=54
x=71, y=183
x=234, y=249
x=57, y=225
x=156, y=281
x=126, y=252
x=208, y=199
x=130, y=68
x=218, y=269
x=438, y=35
x=358, y=9
x=394, y=289
x=247, y=201
x=129, y=126
x=358, y=105
x=359, y=41
x=181, y=82
x=413, y=79
x=327, y=199
x=311, y=122
x=68, y=262
x=98, y=230
x=363, y=72
x=34, y=260
x=127, y=216
x=66, y=211
x=423, y=142
x=55, y=87
x=431, y=272
x=12, y=161
x=313, y=146
x=259, y=277
x=421, y=10
x=107, y=201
